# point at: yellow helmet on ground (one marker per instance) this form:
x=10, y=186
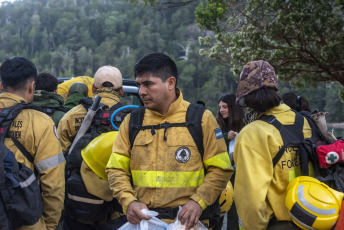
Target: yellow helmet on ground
x=226, y=199
x=312, y=204
x=97, y=153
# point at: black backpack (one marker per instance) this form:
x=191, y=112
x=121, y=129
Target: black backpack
x=79, y=203
x=193, y=122
x=292, y=136
x=20, y=194
x=50, y=110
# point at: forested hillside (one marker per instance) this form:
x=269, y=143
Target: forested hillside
x=75, y=37
x=72, y=38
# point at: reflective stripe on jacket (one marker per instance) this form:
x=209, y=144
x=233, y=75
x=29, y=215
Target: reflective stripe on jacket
x=37, y=133
x=169, y=173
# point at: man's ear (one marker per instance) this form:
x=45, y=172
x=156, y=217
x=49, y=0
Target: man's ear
x=93, y=88
x=121, y=91
x=171, y=82
x=2, y=87
x=32, y=87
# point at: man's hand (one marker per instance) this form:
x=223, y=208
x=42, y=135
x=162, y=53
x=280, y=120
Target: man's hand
x=134, y=214
x=192, y=211
x=231, y=135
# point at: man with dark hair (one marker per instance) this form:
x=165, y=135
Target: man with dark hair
x=107, y=85
x=163, y=169
x=47, y=82
x=261, y=180
x=37, y=134
x=47, y=98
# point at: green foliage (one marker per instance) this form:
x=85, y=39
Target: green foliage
x=73, y=38
x=209, y=15
x=303, y=40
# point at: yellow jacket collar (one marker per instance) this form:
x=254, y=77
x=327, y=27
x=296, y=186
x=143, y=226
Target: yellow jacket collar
x=12, y=96
x=108, y=95
x=278, y=109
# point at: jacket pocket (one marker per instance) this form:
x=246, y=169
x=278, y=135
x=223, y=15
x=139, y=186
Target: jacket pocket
x=143, y=148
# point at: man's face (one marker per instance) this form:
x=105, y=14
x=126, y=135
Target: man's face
x=153, y=91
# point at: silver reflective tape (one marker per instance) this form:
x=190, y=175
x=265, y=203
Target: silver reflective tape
x=50, y=162
x=28, y=181
x=300, y=223
x=311, y=207
x=85, y=200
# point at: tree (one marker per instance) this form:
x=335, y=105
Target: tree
x=303, y=40
x=163, y=4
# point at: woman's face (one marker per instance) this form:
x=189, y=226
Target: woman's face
x=223, y=107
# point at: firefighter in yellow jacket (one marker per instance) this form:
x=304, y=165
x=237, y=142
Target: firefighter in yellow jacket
x=165, y=166
x=37, y=133
x=260, y=187
x=107, y=85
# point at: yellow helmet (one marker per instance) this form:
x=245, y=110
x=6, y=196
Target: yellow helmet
x=97, y=153
x=312, y=204
x=226, y=199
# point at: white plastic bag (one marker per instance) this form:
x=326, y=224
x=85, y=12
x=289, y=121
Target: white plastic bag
x=151, y=224
x=177, y=225
x=232, y=144
x=231, y=148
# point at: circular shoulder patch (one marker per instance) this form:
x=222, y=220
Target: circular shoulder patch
x=332, y=158
x=183, y=154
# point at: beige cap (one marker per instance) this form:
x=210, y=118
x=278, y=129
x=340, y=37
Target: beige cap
x=110, y=74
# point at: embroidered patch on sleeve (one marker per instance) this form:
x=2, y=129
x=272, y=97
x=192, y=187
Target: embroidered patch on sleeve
x=218, y=133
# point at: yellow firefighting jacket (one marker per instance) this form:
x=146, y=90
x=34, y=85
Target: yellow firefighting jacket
x=71, y=121
x=67, y=130
x=37, y=133
x=259, y=190
x=169, y=173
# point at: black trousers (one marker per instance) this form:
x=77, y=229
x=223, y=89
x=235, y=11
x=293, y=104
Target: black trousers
x=72, y=224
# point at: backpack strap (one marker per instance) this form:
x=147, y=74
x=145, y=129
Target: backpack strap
x=7, y=115
x=292, y=135
x=273, y=121
x=193, y=122
x=48, y=111
x=51, y=110
x=104, y=116
x=22, y=149
x=86, y=102
x=135, y=123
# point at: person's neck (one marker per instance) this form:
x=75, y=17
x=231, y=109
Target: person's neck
x=164, y=110
x=20, y=93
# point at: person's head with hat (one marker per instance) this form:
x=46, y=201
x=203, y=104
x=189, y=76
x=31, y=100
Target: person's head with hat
x=78, y=87
x=76, y=91
x=257, y=88
x=108, y=79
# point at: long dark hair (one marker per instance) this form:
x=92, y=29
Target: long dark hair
x=235, y=115
x=295, y=102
